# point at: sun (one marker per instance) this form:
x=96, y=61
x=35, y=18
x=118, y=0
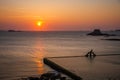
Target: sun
x=39, y=23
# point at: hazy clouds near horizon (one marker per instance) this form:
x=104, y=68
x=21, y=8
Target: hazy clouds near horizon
x=61, y=13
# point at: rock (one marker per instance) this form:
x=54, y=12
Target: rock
x=112, y=39
x=117, y=30
x=11, y=30
x=97, y=32
x=50, y=75
x=33, y=78
x=14, y=31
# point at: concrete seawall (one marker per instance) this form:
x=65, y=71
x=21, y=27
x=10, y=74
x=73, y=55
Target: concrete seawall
x=61, y=69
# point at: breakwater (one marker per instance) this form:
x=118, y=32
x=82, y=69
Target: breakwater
x=61, y=69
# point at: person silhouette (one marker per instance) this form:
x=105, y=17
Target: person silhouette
x=90, y=54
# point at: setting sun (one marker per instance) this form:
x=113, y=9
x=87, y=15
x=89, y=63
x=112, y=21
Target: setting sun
x=39, y=23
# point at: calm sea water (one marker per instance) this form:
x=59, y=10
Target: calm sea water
x=21, y=53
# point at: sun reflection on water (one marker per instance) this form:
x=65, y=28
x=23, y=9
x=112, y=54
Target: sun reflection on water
x=40, y=66
x=38, y=55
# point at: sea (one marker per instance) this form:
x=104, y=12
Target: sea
x=22, y=53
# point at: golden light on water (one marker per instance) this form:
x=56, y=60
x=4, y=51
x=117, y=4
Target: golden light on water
x=39, y=63
x=40, y=66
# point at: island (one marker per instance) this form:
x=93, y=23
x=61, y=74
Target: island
x=97, y=32
x=13, y=31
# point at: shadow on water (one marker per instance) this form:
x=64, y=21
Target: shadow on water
x=91, y=59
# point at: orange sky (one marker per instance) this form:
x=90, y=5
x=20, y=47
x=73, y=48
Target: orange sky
x=59, y=14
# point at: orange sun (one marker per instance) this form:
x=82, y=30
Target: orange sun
x=39, y=23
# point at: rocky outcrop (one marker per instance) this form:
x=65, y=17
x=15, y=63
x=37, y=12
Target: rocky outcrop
x=11, y=31
x=97, y=32
x=47, y=76
x=112, y=39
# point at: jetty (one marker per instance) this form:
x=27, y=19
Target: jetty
x=59, y=68
x=62, y=73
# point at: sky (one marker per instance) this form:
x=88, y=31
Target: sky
x=59, y=15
